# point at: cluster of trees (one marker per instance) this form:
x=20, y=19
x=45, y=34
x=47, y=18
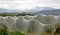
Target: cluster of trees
x=14, y=14
x=6, y=14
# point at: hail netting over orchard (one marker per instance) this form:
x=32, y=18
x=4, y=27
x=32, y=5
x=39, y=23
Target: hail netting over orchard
x=41, y=18
x=46, y=19
x=58, y=18
x=29, y=17
x=35, y=27
x=50, y=19
x=2, y=22
x=31, y=24
x=10, y=22
x=21, y=24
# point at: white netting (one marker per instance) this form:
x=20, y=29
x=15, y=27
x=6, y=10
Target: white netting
x=35, y=27
x=41, y=18
x=10, y=22
x=21, y=24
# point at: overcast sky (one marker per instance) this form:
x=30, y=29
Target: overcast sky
x=28, y=4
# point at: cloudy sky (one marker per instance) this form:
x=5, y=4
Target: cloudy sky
x=28, y=4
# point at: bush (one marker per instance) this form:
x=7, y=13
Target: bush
x=3, y=32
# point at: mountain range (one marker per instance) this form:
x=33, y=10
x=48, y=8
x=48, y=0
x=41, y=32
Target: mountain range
x=35, y=10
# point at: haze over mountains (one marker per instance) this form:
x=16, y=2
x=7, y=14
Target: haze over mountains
x=35, y=10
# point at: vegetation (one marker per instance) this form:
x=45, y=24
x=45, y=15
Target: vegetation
x=5, y=32
x=15, y=14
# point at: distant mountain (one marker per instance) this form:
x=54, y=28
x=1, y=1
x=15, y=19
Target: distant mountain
x=9, y=11
x=55, y=11
x=2, y=10
x=43, y=10
x=35, y=10
x=38, y=9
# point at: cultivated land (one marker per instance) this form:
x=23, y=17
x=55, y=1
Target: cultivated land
x=26, y=24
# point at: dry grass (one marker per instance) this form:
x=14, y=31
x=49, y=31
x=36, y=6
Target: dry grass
x=44, y=33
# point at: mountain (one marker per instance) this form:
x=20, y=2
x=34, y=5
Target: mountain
x=35, y=10
x=43, y=10
x=55, y=11
x=9, y=11
x=38, y=9
x=2, y=10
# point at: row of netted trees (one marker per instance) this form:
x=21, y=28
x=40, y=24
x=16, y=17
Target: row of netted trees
x=30, y=25
x=52, y=23
x=6, y=27
x=21, y=25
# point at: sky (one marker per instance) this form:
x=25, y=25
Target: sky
x=28, y=4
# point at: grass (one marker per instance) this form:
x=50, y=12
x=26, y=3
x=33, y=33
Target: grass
x=56, y=33
x=45, y=33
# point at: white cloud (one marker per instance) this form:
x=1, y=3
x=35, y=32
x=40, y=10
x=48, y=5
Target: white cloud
x=27, y=4
x=17, y=4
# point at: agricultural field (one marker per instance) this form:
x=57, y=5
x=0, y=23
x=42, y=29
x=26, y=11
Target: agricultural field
x=39, y=24
x=29, y=17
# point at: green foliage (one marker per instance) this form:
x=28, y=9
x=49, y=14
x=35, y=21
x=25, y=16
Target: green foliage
x=12, y=14
x=5, y=32
x=56, y=33
x=6, y=14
